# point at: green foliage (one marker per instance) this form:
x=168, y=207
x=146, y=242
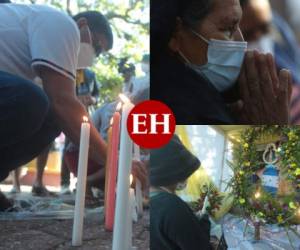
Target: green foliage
x=214, y=198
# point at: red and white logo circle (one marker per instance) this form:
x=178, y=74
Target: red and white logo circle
x=151, y=124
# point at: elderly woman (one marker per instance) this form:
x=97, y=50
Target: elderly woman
x=201, y=70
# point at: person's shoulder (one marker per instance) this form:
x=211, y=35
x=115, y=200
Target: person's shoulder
x=53, y=17
x=104, y=109
x=171, y=210
x=169, y=201
x=175, y=81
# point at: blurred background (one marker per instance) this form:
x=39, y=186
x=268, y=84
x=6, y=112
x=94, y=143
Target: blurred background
x=272, y=26
x=289, y=10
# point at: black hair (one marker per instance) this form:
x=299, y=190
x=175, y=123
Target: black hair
x=97, y=23
x=163, y=20
x=5, y=1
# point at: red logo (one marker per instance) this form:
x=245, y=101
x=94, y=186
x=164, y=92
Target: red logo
x=151, y=124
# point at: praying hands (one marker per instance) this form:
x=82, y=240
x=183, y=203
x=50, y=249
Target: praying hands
x=265, y=94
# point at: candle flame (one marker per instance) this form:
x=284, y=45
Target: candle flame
x=131, y=179
x=85, y=119
x=119, y=106
x=257, y=195
x=124, y=98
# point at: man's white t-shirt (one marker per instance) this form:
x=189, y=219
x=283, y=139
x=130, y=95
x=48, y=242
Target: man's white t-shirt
x=33, y=35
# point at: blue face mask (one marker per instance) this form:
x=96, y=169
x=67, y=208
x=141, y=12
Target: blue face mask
x=225, y=59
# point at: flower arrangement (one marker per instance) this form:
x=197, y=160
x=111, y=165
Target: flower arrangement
x=214, y=200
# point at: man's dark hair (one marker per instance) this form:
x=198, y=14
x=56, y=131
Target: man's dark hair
x=97, y=23
x=5, y=1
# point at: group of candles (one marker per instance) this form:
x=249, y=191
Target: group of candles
x=122, y=203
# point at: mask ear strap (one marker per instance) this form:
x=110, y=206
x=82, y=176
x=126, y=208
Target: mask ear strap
x=200, y=36
x=184, y=57
x=241, y=33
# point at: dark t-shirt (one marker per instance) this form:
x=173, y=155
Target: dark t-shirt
x=174, y=226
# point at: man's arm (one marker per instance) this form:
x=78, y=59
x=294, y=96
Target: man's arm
x=69, y=111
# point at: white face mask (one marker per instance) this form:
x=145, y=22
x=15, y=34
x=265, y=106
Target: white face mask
x=225, y=59
x=265, y=45
x=145, y=68
x=86, y=56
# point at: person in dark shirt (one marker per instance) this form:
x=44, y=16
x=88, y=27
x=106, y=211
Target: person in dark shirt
x=173, y=224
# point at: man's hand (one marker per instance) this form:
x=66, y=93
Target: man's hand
x=69, y=111
x=139, y=171
x=265, y=96
x=86, y=100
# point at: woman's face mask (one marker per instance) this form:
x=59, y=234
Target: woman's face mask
x=87, y=53
x=225, y=59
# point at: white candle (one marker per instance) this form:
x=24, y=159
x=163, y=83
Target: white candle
x=138, y=185
x=81, y=183
x=120, y=238
x=130, y=217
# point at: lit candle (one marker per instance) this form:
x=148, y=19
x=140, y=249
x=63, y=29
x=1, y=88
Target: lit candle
x=138, y=185
x=81, y=183
x=112, y=170
x=120, y=241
